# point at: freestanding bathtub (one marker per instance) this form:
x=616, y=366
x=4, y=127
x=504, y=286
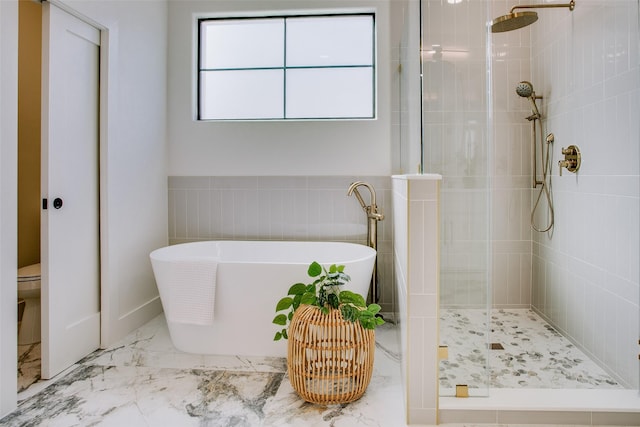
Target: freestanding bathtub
x=248, y=279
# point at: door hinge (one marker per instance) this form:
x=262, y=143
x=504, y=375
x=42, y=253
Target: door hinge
x=462, y=390
x=44, y=203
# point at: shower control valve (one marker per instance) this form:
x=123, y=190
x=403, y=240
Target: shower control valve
x=572, y=159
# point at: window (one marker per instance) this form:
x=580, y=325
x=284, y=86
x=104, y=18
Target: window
x=287, y=67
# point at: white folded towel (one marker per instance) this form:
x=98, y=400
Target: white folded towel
x=189, y=289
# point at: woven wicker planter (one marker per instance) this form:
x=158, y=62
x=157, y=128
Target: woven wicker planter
x=330, y=360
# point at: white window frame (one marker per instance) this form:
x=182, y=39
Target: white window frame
x=284, y=16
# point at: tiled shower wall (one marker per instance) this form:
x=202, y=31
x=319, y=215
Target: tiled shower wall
x=583, y=277
x=511, y=165
x=307, y=208
x=455, y=144
x=586, y=276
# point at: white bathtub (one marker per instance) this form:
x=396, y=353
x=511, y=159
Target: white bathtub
x=251, y=277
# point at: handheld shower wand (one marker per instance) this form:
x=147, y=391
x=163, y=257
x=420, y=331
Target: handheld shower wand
x=525, y=90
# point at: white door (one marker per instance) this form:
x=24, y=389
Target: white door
x=70, y=220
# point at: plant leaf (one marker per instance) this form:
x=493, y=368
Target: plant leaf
x=374, y=308
x=365, y=314
x=368, y=323
x=296, y=302
x=348, y=297
x=297, y=289
x=308, y=298
x=284, y=303
x=280, y=319
x=314, y=270
x=285, y=335
x=333, y=301
x=277, y=337
x=333, y=269
x=349, y=312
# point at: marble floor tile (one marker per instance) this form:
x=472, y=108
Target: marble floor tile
x=28, y=365
x=534, y=354
x=144, y=381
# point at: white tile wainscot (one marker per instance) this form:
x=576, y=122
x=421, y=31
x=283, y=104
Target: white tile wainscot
x=416, y=242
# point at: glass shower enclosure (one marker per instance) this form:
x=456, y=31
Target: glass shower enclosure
x=455, y=133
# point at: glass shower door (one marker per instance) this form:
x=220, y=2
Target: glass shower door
x=454, y=144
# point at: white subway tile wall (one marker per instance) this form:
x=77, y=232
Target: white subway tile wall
x=282, y=208
x=416, y=208
x=586, y=277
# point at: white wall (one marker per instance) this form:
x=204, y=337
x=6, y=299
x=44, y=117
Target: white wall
x=416, y=254
x=133, y=158
x=8, y=202
x=586, y=277
x=133, y=169
x=272, y=148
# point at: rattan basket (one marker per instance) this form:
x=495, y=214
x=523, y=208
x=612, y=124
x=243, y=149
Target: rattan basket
x=330, y=360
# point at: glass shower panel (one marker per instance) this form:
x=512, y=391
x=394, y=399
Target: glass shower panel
x=454, y=138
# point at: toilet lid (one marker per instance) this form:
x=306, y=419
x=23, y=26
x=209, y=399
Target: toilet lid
x=30, y=272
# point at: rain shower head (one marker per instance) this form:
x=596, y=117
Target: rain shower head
x=525, y=90
x=515, y=20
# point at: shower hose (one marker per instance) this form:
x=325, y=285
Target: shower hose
x=545, y=188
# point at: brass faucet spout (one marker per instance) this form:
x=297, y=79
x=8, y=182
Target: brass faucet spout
x=353, y=188
x=355, y=191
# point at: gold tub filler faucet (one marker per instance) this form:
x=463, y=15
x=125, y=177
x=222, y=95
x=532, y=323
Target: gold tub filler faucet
x=572, y=159
x=373, y=216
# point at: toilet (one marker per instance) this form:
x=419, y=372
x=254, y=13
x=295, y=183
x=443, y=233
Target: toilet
x=29, y=291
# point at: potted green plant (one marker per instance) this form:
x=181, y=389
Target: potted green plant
x=325, y=294
x=331, y=337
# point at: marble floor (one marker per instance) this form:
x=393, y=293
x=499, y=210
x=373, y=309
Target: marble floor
x=28, y=365
x=533, y=354
x=144, y=381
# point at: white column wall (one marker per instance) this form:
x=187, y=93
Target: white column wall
x=416, y=250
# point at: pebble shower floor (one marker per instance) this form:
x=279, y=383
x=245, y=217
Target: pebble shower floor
x=534, y=354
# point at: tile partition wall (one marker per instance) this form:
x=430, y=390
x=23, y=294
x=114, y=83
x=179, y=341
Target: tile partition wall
x=281, y=208
x=417, y=266
x=586, y=277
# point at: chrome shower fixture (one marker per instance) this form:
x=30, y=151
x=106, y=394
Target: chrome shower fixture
x=525, y=90
x=515, y=20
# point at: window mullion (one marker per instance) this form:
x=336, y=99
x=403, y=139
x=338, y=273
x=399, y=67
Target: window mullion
x=284, y=71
